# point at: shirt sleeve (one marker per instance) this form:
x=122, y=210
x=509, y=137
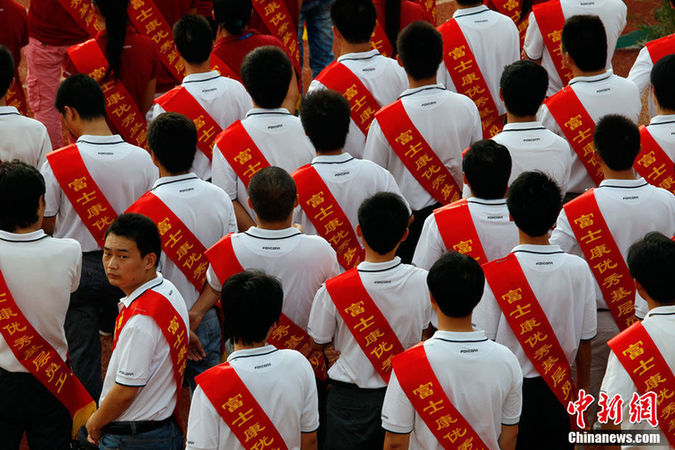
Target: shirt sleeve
x=309, y=420
x=534, y=42
x=487, y=313
x=617, y=380
x=547, y=120
x=45, y=146
x=203, y=423
x=78, y=267
x=589, y=328
x=137, y=344
x=513, y=402
x=430, y=246
x=376, y=147
x=213, y=280
x=155, y=111
x=398, y=414
x=53, y=191
x=641, y=70
x=322, y=321
x=564, y=236
x=222, y=174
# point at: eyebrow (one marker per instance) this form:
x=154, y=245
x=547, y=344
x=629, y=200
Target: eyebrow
x=108, y=249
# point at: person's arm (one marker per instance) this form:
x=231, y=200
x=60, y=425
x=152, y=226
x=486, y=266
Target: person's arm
x=395, y=441
x=308, y=441
x=115, y=403
x=292, y=96
x=48, y=224
x=148, y=96
x=244, y=221
x=583, y=362
x=507, y=437
x=207, y=300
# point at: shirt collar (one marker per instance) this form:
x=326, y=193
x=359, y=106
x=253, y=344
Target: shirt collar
x=22, y=237
x=272, y=234
x=201, y=76
x=532, y=248
x=259, y=111
x=366, y=266
x=359, y=55
x=91, y=139
x=523, y=126
x=602, y=76
x=174, y=179
x=494, y=201
x=469, y=11
x=342, y=157
x=460, y=336
x=129, y=299
x=9, y=110
x=661, y=310
x=623, y=183
x=655, y=120
x=257, y=351
x=428, y=89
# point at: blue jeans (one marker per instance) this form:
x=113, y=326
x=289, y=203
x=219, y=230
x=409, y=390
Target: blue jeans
x=316, y=14
x=209, y=335
x=168, y=437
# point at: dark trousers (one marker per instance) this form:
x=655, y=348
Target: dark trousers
x=544, y=422
x=407, y=248
x=26, y=406
x=353, y=419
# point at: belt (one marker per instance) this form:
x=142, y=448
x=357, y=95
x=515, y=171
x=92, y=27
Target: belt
x=135, y=427
x=603, y=310
x=353, y=386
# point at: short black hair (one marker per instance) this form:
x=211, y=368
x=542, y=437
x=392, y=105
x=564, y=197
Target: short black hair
x=272, y=192
x=383, y=218
x=266, y=73
x=354, y=19
x=6, y=70
x=662, y=76
x=172, y=137
x=82, y=93
x=469, y=2
x=617, y=141
x=534, y=201
x=194, y=38
x=420, y=48
x=456, y=282
x=141, y=230
x=651, y=261
x=232, y=15
x=325, y=116
x=523, y=85
x=21, y=187
x=584, y=38
x=487, y=166
x=252, y=303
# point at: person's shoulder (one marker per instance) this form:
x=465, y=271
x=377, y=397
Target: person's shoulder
x=64, y=246
x=502, y=354
x=312, y=244
x=623, y=83
x=13, y=11
x=455, y=99
x=266, y=39
x=415, y=274
x=412, y=11
x=141, y=44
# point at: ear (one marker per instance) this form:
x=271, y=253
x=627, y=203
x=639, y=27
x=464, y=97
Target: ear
x=250, y=204
x=567, y=59
x=501, y=97
x=359, y=231
x=150, y=261
x=297, y=201
x=640, y=289
x=405, y=235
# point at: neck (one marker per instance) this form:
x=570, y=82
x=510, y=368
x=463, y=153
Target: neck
x=580, y=73
x=354, y=48
x=165, y=173
x=29, y=229
x=95, y=127
x=660, y=111
x=374, y=257
x=150, y=275
x=533, y=240
x=274, y=225
x=238, y=345
x=3, y=101
x=445, y=323
x=423, y=82
x=329, y=152
x=197, y=68
x=459, y=6
x=618, y=174
x=512, y=118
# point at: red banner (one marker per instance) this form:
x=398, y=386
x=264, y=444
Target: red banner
x=430, y=8
x=458, y=230
x=16, y=97
x=84, y=13
x=661, y=47
x=653, y=163
x=278, y=21
x=380, y=42
x=241, y=153
x=222, y=68
x=551, y=20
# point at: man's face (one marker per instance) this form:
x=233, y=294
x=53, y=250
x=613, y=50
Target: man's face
x=124, y=266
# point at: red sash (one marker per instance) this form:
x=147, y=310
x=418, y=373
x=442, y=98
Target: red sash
x=239, y=409
x=277, y=19
x=178, y=242
x=286, y=334
x=241, y=153
x=603, y=256
x=148, y=20
x=362, y=103
x=365, y=321
x=512, y=9
x=120, y=108
x=644, y=363
x=458, y=230
x=380, y=42
x=661, y=47
x=180, y=100
x=325, y=213
x=416, y=154
x=82, y=191
x=653, y=163
x=222, y=68
x=83, y=12
x=430, y=9
x=16, y=97
x=461, y=64
x=577, y=126
x=551, y=20
x=42, y=360
x=420, y=384
x=530, y=325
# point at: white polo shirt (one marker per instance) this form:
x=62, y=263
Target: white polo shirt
x=40, y=272
x=280, y=138
x=480, y=377
x=662, y=129
x=226, y=101
x=382, y=76
x=351, y=181
x=497, y=233
x=600, y=95
x=495, y=43
x=283, y=384
x=631, y=209
x=22, y=138
x=141, y=358
x=563, y=285
x=205, y=209
x=612, y=13
x=122, y=171
x=448, y=121
x=660, y=324
x=300, y=262
x=400, y=292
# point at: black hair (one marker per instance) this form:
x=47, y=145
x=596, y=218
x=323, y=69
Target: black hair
x=172, y=137
x=116, y=17
x=469, y=2
x=232, y=15
x=21, y=187
x=141, y=230
x=383, y=218
x=194, y=38
x=651, y=261
x=82, y=93
x=325, y=117
x=252, y=303
x=617, y=141
x=392, y=23
x=6, y=70
x=584, y=38
x=420, y=48
x=534, y=201
x=266, y=73
x=523, y=85
x=456, y=282
x=662, y=76
x=487, y=166
x=272, y=192
x=354, y=19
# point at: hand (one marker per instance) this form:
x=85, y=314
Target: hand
x=195, y=350
x=331, y=354
x=93, y=432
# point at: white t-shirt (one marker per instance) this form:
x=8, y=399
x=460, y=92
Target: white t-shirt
x=662, y=129
x=22, y=138
x=612, y=13
x=640, y=75
x=281, y=381
x=382, y=76
x=40, y=272
x=449, y=123
x=224, y=99
x=480, y=377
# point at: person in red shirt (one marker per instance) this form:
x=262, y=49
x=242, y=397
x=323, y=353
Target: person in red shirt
x=395, y=15
x=14, y=36
x=293, y=7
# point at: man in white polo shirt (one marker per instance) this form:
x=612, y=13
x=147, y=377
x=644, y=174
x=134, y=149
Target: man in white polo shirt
x=212, y=101
x=368, y=79
x=479, y=377
x=268, y=136
x=88, y=184
x=479, y=226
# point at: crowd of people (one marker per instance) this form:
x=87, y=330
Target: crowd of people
x=457, y=238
